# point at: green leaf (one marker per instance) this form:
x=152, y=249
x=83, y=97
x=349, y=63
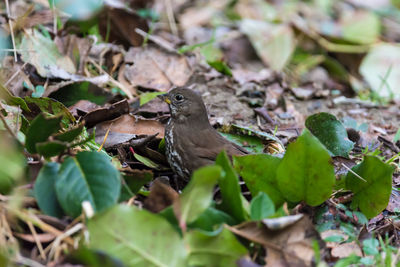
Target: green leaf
x=93, y=258
x=49, y=106
x=220, y=250
x=51, y=148
x=44, y=190
x=230, y=189
x=147, y=162
x=70, y=134
x=12, y=100
x=261, y=207
x=197, y=195
x=306, y=172
x=72, y=93
x=12, y=164
x=253, y=143
x=147, y=97
x=331, y=133
x=372, y=196
x=40, y=129
x=259, y=174
x=133, y=182
x=274, y=43
x=79, y=10
x=211, y=218
x=89, y=176
x=136, y=237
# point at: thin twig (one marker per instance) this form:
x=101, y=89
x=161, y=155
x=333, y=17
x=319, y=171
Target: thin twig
x=11, y=30
x=37, y=241
x=64, y=235
x=157, y=40
x=15, y=74
x=54, y=18
x=171, y=18
x=353, y=172
x=115, y=82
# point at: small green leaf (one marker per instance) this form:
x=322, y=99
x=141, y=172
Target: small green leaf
x=220, y=250
x=136, y=237
x=334, y=238
x=49, y=106
x=146, y=97
x=40, y=129
x=230, y=189
x=39, y=91
x=89, y=176
x=253, y=143
x=306, y=171
x=197, y=195
x=372, y=195
x=147, y=162
x=330, y=132
x=259, y=174
x=261, y=207
x=44, y=190
x=70, y=134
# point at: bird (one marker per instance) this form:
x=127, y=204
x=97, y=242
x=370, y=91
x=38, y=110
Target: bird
x=190, y=140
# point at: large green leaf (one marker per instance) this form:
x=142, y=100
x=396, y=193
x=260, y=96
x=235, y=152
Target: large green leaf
x=306, y=172
x=372, y=195
x=40, y=129
x=213, y=250
x=51, y=148
x=45, y=192
x=89, y=176
x=362, y=27
x=197, y=195
x=136, y=237
x=230, y=189
x=330, y=132
x=259, y=173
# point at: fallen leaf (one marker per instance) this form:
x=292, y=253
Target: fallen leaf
x=156, y=69
x=346, y=249
x=161, y=196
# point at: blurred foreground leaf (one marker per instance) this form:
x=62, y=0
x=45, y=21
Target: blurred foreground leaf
x=136, y=237
x=89, y=176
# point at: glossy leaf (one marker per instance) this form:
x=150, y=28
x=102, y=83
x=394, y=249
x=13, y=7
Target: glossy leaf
x=89, y=176
x=44, y=190
x=230, y=189
x=136, y=237
x=197, y=195
x=40, y=129
x=331, y=133
x=70, y=134
x=372, y=196
x=306, y=172
x=259, y=174
x=210, y=219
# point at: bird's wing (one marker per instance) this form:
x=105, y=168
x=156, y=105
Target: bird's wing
x=206, y=150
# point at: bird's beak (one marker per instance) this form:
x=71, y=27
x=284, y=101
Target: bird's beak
x=165, y=98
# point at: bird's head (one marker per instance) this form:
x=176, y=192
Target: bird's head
x=185, y=104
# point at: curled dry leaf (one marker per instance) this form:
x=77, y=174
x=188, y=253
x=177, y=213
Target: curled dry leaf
x=156, y=69
x=291, y=246
x=104, y=114
x=127, y=127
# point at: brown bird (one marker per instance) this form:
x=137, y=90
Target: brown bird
x=191, y=142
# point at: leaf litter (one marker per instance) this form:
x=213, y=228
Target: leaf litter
x=266, y=71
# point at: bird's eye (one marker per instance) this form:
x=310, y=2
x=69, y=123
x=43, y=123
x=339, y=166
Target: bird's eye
x=179, y=97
